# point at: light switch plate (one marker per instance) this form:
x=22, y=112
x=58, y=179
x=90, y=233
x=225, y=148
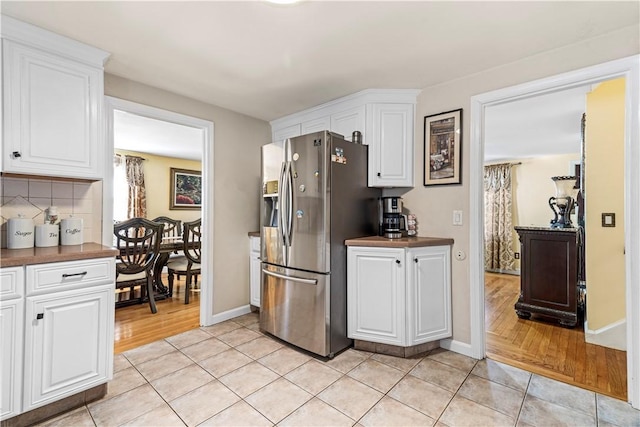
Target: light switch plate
x=457, y=217
x=609, y=219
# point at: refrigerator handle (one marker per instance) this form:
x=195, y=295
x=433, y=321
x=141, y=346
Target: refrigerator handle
x=290, y=204
x=281, y=203
x=291, y=278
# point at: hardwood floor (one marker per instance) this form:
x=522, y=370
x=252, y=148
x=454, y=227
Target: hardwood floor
x=546, y=348
x=136, y=325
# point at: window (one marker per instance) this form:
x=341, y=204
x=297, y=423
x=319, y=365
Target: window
x=120, y=189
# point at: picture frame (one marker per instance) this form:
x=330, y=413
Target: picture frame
x=186, y=189
x=443, y=148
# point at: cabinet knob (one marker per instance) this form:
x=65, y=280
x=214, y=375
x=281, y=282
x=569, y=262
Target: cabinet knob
x=398, y=261
x=379, y=174
x=415, y=260
x=16, y=154
x=40, y=316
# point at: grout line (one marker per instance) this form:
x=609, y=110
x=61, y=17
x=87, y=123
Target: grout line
x=524, y=398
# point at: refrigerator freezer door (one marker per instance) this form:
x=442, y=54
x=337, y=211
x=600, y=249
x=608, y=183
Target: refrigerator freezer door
x=294, y=307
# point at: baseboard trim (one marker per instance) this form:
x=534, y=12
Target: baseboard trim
x=613, y=335
x=230, y=314
x=456, y=346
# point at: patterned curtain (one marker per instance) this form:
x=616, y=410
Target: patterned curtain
x=498, y=229
x=137, y=201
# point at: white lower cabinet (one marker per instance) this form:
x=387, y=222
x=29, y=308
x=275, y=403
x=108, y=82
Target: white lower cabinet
x=428, y=294
x=67, y=321
x=11, y=336
x=399, y=296
x=376, y=294
x=254, y=271
x=66, y=343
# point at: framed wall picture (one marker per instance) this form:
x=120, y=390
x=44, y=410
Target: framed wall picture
x=443, y=148
x=186, y=189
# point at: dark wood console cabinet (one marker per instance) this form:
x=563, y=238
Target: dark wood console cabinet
x=548, y=274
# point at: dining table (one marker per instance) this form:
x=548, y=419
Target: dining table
x=168, y=245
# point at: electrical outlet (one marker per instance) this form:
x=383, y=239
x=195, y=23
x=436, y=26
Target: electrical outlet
x=516, y=255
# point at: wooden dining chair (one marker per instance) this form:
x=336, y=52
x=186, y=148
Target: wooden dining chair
x=190, y=265
x=138, y=242
x=172, y=227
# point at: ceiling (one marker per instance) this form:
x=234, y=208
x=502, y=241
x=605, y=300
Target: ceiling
x=543, y=125
x=267, y=60
x=146, y=135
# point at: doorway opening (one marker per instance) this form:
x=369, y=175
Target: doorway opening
x=527, y=143
x=172, y=145
x=627, y=68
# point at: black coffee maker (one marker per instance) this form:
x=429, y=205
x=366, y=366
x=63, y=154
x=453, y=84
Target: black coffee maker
x=392, y=222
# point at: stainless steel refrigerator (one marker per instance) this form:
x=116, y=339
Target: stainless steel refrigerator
x=315, y=196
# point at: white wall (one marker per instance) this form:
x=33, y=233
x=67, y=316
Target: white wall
x=434, y=205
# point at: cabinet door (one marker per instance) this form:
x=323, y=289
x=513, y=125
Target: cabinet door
x=68, y=343
x=347, y=121
x=391, y=145
x=53, y=114
x=279, y=135
x=376, y=295
x=254, y=271
x=11, y=333
x=428, y=294
x=316, y=125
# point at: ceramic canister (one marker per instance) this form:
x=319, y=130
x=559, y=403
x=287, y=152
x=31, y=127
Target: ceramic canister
x=47, y=235
x=71, y=231
x=20, y=232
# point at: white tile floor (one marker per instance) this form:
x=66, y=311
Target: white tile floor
x=230, y=374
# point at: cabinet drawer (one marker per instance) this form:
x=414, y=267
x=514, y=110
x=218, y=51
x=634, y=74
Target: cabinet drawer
x=255, y=244
x=11, y=283
x=61, y=276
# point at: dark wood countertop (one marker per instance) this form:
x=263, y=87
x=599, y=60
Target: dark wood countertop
x=254, y=234
x=28, y=256
x=404, y=242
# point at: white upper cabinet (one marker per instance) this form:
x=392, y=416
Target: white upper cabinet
x=391, y=141
x=385, y=117
x=316, y=125
x=288, y=132
x=348, y=121
x=53, y=93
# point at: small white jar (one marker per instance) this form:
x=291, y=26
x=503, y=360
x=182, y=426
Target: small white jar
x=71, y=231
x=20, y=232
x=47, y=235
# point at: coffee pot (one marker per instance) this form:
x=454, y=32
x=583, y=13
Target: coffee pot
x=392, y=222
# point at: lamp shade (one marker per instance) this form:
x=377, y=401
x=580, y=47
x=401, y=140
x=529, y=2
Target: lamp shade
x=565, y=186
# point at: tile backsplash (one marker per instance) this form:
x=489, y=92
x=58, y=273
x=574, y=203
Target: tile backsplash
x=31, y=197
